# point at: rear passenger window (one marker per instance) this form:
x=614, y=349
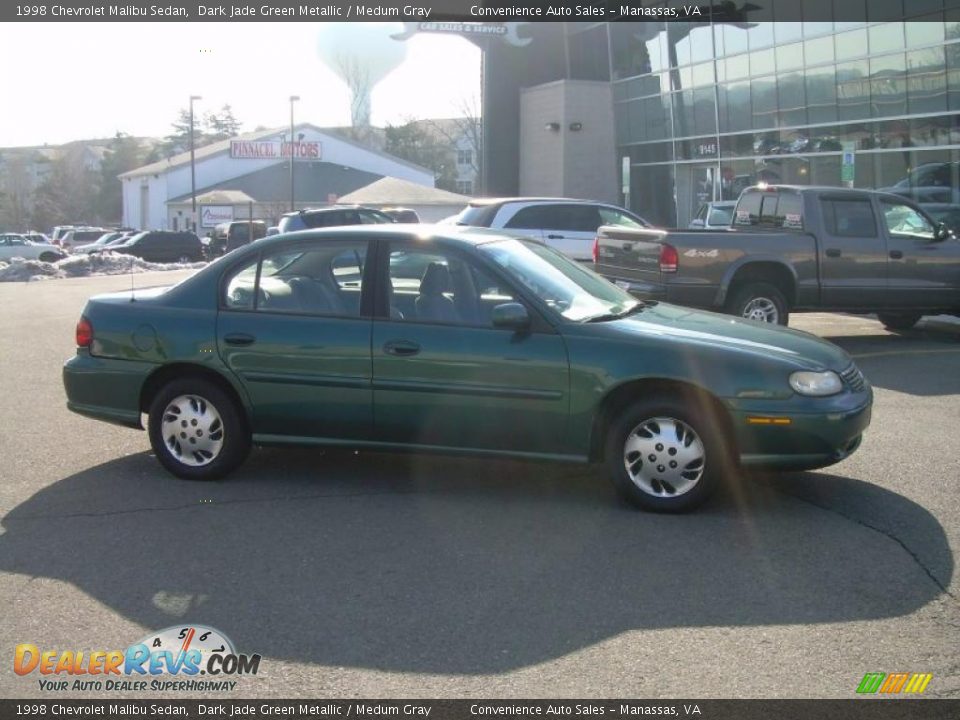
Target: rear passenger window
x=775, y=210
x=849, y=218
x=530, y=218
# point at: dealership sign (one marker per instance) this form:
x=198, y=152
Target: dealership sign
x=274, y=150
x=211, y=215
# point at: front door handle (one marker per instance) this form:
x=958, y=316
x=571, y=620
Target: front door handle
x=896, y=254
x=239, y=339
x=401, y=348
x=554, y=237
x=833, y=252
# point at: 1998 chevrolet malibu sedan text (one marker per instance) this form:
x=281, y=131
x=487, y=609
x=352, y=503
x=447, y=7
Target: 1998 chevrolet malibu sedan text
x=438, y=339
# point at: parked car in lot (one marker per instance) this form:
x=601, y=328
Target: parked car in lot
x=101, y=242
x=335, y=216
x=231, y=235
x=401, y=215
x=162, y=246
x=561, y=223
x=502, y=347
x=713, y=215
x=81, y=236
x=946, y=213
x=15, y=245
x=37, y=237
x=795, y=249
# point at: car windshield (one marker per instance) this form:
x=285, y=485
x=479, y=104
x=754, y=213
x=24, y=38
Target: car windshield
x=563, y=284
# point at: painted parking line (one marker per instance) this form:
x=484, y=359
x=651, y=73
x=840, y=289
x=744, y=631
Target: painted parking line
x=886, y=353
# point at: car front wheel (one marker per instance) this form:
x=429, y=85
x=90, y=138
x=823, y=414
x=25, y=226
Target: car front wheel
x=663, y=455
x=197, y=430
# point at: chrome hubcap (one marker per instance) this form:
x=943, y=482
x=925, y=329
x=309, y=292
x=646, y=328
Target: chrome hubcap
x=762, y=309
x=192, y=430
x=664, y=457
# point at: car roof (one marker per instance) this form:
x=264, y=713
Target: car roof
x=486, y=202
x=454, y=233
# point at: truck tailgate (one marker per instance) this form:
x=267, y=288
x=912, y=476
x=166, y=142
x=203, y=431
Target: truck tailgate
x=630, y=257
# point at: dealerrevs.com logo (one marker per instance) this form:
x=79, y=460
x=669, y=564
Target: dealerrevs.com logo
x=894, y=683
x=170, y=660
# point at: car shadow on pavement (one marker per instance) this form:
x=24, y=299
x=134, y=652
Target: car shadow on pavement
x=444, y=565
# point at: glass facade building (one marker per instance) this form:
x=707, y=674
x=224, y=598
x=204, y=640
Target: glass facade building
x=779, y=92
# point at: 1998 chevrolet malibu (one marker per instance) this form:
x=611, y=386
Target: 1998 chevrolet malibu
x=454, y=341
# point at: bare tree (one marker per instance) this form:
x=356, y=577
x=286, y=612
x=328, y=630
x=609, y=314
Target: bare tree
x=15, y=194
x=465, y=131
x=356, y=74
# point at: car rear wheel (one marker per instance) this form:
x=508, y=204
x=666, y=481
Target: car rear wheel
x=899, y=321
x=759, y=301
x=49, y=257
x=197, y=430
x=663, y=455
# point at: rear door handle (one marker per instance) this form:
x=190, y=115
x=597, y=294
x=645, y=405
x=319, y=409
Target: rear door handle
x=239, y=339
x=896, y=254
x=554, y=237
x=401, y=348
x=833, y=252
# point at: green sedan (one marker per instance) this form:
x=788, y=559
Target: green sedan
x=458, y=341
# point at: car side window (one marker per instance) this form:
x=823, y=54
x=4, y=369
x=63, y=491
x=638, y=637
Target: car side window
x=322, y=280
x=240, y=289
x=447, y=289
x=371, y=218
x=580, y=218
x=904, y=221
x=530, y=218
x=849, y=218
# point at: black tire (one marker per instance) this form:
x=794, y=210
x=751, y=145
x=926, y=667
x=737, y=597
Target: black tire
x=49, y=257
x=698, y=414
x=754, y=293
x=899, y=321
x=235, y=435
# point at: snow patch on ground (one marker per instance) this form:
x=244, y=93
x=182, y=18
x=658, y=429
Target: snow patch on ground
x=20, y=270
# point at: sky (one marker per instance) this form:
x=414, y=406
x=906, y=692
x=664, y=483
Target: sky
x=89, y=80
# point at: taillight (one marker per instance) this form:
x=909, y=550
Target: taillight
x=84, y=333
x=668, y=258
x=596, y=249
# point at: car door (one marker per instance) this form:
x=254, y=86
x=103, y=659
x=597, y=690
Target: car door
x=444, y=376
x=571, y=228
x=295, y=329
x=923, y=271
x=853, y=258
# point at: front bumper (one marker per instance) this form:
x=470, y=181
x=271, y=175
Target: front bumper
x=104, y=388
x=809, y=441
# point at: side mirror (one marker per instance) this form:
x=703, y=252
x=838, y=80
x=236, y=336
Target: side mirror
x=510, y=316
x=941, y=232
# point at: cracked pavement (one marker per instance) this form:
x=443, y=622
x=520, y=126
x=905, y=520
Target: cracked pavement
x=376, y=575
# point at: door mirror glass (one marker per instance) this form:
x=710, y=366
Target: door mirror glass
x=510, y=316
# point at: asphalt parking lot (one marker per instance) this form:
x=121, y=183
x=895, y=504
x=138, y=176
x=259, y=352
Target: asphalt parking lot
x=378, y=575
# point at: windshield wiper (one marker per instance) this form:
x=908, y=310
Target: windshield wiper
x=616, y=315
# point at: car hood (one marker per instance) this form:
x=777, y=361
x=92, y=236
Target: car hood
x=713, y=330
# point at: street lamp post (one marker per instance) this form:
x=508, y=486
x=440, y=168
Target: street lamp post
x=293, y=99
x=193, y=170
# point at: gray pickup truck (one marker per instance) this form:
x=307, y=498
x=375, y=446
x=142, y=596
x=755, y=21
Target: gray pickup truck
x=796, y=249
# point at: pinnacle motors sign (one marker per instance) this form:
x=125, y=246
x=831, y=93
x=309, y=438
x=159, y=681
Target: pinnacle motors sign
x=275, y=150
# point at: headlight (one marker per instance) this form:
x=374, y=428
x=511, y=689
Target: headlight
x=816, y=384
